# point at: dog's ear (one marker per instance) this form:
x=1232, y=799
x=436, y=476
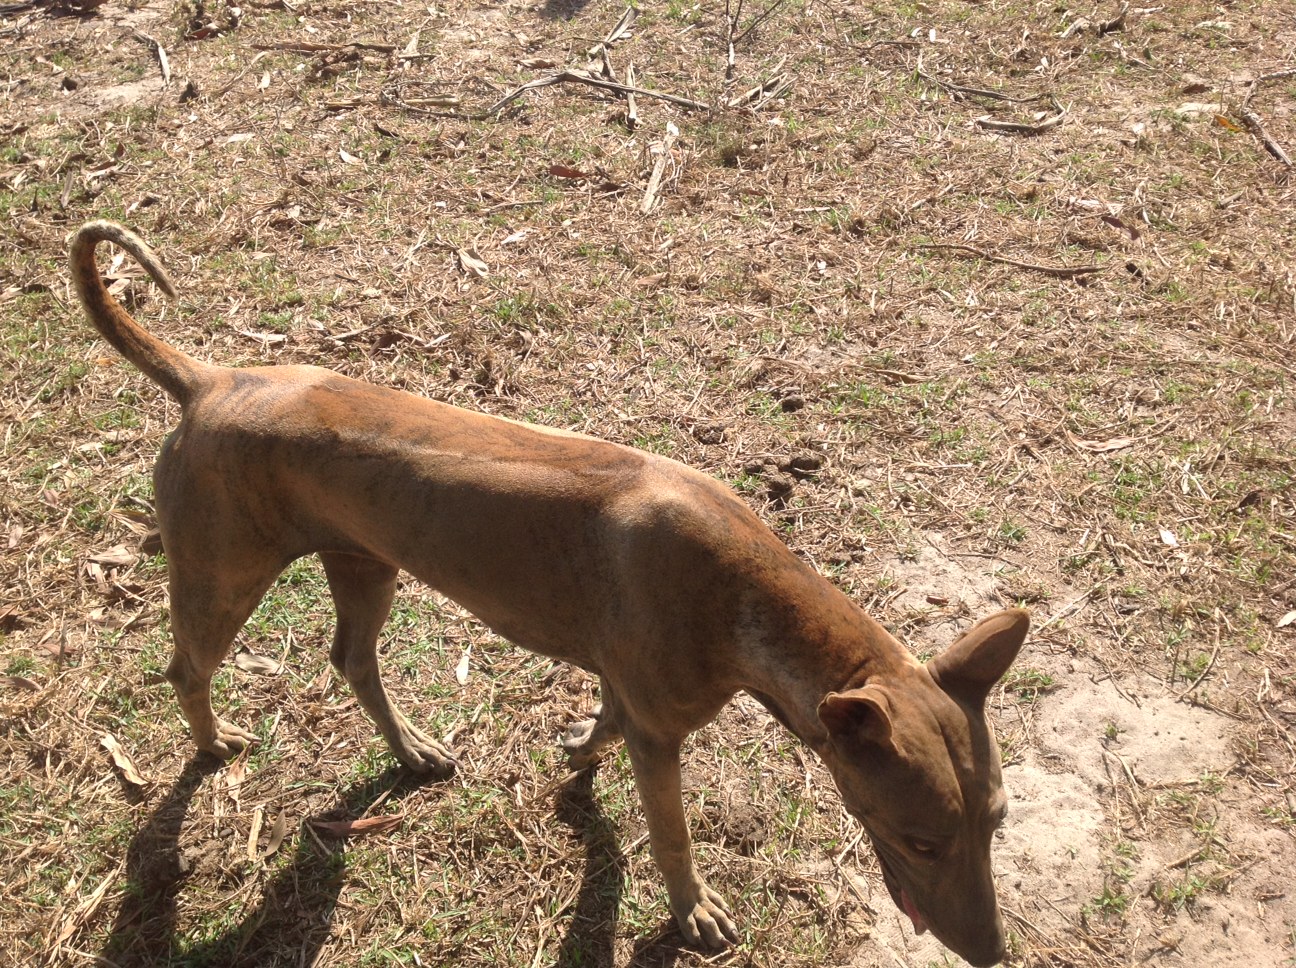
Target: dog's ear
x=969, y=668
x=862, y=713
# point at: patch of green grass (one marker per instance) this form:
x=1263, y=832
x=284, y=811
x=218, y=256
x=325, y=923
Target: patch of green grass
x=1028, y=683
x=1179, y=894
x=656, y=440
x=1011, y=532
x=1112, y=902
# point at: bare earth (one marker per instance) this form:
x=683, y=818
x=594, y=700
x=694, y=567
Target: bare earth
x=976, y=303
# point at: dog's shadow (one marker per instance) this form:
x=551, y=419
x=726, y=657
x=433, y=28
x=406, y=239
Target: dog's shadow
x=591, y=933
x=563, y=9
x=297, y=903
x=590, y=941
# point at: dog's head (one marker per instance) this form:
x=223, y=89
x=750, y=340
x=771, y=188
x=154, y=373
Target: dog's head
x=917, y=764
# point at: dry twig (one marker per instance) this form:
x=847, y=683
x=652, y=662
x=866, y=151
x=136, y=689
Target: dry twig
x=1209, y=665
x=632, y=106
x=979, y=91
x=1064, y=272
x=1018, y=127
x=1254, y=125
x=161, y=53
x=663, y=151
x=583, y=77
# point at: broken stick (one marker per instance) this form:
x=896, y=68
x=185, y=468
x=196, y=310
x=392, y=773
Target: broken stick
x=1254, y=125
x=663, y=150
x=582, y=77
x=1065, y=272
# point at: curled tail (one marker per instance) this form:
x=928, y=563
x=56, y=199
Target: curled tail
x=175, y=372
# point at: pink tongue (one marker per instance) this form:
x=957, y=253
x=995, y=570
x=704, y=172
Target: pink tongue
x=919, y=925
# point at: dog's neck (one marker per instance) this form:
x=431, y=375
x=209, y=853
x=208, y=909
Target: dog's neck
x=810, y=639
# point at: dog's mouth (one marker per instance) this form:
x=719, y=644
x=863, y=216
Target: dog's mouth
x=900, y=896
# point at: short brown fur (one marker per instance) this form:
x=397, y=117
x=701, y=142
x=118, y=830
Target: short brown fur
x=654, y=577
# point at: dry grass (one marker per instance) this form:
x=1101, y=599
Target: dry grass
x=1117, y=445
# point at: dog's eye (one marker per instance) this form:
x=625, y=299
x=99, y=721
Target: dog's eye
x=924, y=848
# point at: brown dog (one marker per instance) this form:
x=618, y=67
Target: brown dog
x=655, y=577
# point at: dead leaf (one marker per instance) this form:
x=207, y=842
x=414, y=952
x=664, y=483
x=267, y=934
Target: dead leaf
x=118, y=556
x=122, y=760
x=264, y=82
x=537, y=63
x=278, y=830
x=267, y=339
x=258, y=664
x=234, y=776
x=1094, y=205
x=1130, y=230
x=96, y=573
x=239, y=138
x=1168, y=538
x=349, y=158
x=19, y=682
x=355, y=828
x=461, y=669
x=937, y=600
x=11, y=618
x=1195, y=109
x=164, y=63
x=254, y=834
x=1286, y=620
x=59, y=647
x=472, y=263
x=1106, y=446
x=563, y=171
x=86, y=909
x=412, y=47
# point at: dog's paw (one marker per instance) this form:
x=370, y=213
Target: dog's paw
x=584, y=741
x=581, y=752
x=422, y=754
x=230, y=740
x=708, y=922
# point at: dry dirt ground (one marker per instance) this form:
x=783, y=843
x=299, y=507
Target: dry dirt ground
x=976, y=303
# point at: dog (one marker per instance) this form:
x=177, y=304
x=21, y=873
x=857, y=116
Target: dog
x=652, y=576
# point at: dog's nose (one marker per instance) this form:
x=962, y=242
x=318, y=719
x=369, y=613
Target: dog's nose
x=992, y=955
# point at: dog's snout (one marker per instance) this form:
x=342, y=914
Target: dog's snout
x=991, y=954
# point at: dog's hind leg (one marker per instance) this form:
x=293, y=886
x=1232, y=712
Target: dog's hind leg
x=586, y=739
x=209, y=605
x=362, y=591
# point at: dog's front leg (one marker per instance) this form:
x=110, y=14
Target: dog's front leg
x=700, y=911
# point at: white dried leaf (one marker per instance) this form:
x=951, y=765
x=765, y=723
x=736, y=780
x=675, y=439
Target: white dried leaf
x=472, y=263
x=121, y=759
x=258, y=664
x=1106, y=446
